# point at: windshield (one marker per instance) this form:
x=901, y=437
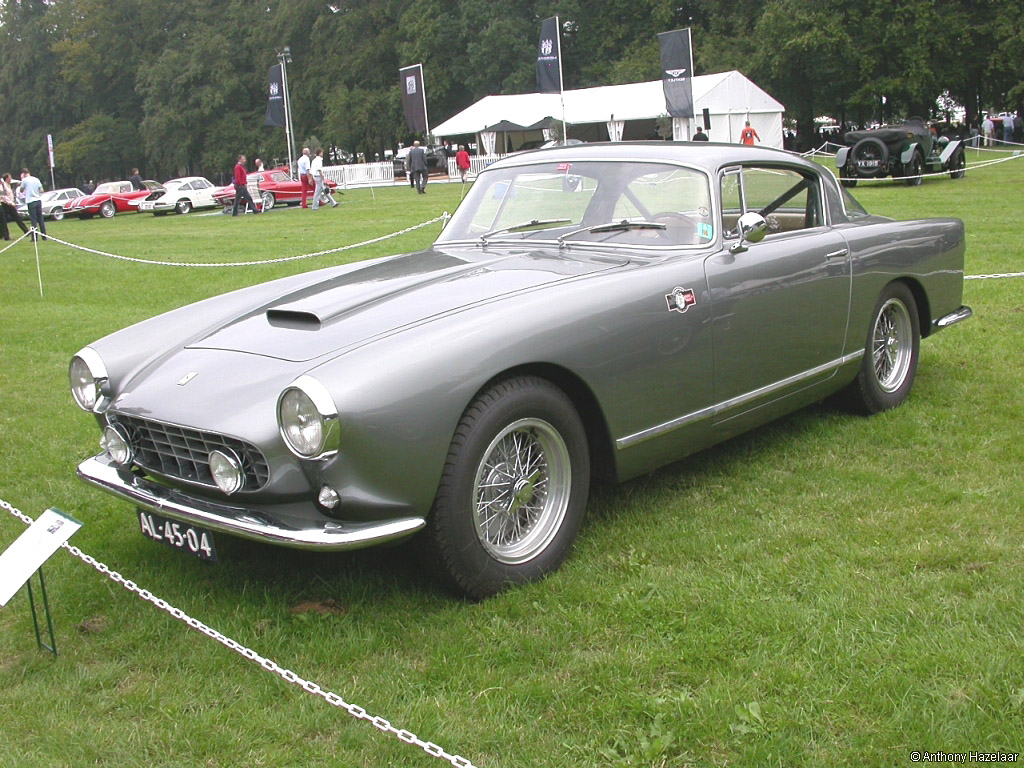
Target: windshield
x=621, y=203
x=110, y=186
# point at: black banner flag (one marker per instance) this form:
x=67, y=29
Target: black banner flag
x=677, y=72
x=275, y=107
x=549, y=53
x=414, y=99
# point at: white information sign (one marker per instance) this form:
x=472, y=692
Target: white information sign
x=33, y=548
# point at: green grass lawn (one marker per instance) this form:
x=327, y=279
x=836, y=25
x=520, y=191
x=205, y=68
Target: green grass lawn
x=828, y=590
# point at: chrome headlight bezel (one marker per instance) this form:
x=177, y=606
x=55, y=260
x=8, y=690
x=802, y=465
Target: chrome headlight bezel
x=88, y=378
x=311, y=394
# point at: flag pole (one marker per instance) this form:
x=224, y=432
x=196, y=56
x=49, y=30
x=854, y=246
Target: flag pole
x=426, y=118
x=285, y=56
x=561, y=82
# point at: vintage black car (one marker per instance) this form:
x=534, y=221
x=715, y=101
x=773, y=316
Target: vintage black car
x=902, y=151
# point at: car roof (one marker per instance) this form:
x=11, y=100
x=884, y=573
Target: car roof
x=703, y=154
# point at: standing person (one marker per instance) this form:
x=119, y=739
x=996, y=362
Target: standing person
x=748, y=134
x=7, y=210
x=304, y=177
x=418, y=166
x=241, y=182
x=136, y=179
x=462, y=161
x=259, y=165
x=317, y=169
x=32, y=189
x=1008, y=129
x=88, y=187
x=988, y=130
x=699, y=135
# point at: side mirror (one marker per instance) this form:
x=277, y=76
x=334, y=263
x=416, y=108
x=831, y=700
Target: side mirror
x=752, y=228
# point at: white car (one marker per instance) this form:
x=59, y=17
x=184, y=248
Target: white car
x=54, y=202
x=181, y=196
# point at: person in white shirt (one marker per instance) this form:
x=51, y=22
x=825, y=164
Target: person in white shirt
x=317, y=169
x=988, y=130
x=32, y=190
x=303, y=169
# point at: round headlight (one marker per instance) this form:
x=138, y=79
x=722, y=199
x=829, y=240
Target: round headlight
x=88, y=375
x=308, y=419
x=226, y=469
x=114, y=442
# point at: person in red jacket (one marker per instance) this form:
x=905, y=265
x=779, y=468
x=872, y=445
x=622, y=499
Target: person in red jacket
x=462, y=161
x=748, y=134
x=242, y=188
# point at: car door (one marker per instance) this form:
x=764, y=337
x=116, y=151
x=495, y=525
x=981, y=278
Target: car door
x=779, y=307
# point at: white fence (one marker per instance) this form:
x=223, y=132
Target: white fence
x=383, y=174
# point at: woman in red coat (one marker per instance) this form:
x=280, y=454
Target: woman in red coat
x=462, y=161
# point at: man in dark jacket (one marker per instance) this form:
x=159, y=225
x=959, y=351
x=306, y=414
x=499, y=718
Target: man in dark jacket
x=418, y=167
x=699, y=135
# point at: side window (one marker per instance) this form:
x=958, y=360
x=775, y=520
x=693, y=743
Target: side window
x=790, y=200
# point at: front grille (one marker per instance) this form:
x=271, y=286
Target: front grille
x=183, y=453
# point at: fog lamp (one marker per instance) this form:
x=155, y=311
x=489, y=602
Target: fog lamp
x=115, y=444
x=226, y=470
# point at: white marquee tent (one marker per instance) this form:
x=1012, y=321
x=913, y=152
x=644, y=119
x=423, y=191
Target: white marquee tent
x=618, y=112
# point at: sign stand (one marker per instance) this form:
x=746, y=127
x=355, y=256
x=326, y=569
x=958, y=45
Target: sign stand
x=24, y=559
x=52, y=647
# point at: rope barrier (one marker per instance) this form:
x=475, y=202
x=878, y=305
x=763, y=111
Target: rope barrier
x=445, y=216
x=270, y=665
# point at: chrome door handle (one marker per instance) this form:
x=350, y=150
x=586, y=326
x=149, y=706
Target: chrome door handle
x=837, y=254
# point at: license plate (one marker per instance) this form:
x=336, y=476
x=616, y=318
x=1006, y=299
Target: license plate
x=187, y=538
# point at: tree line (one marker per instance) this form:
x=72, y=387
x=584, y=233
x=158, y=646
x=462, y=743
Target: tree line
x=180, y=86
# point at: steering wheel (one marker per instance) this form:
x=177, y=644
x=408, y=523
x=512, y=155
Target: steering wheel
x=682, y=229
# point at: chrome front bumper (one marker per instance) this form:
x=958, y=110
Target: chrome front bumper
x=239, y=521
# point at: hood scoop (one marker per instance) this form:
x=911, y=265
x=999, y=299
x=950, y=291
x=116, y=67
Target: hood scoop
x=294, y=320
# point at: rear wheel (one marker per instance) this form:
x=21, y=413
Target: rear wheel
x=891, y=353
x=183, y=206
x=513, y=491
x=108, y=209
x=268, y=200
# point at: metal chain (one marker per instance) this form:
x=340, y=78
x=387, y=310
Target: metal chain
x=444, y=216
x=269, y=665
x=993, y=277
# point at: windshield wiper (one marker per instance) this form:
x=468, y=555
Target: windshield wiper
x=524, y=225
x=615, y=226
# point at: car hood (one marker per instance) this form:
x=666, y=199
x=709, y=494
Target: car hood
x=341, y=312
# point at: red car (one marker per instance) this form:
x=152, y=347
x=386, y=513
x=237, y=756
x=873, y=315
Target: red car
x=109, y=198
x=269, y=188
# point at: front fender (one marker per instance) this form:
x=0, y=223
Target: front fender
x=951, y=149
x=908, y=153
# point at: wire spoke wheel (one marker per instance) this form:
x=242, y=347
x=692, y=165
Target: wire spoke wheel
x=891, y=351
x=521, y=491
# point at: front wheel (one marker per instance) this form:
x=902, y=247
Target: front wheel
x=913, y=171
x=891, y=352
x=108, y=209
x=58, y=214
x=958, y=166
x=514, y=488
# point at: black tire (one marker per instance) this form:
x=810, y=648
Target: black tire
x=57, y=214
x=268, y=200
x=870, y=157
x=108, y=209
x=891, y=353
x=846, y=180
x=496, y=520
x=183, y=206
x=913, y=170
x=958, y=166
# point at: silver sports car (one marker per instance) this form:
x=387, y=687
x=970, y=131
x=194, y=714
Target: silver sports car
x=592, y=311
